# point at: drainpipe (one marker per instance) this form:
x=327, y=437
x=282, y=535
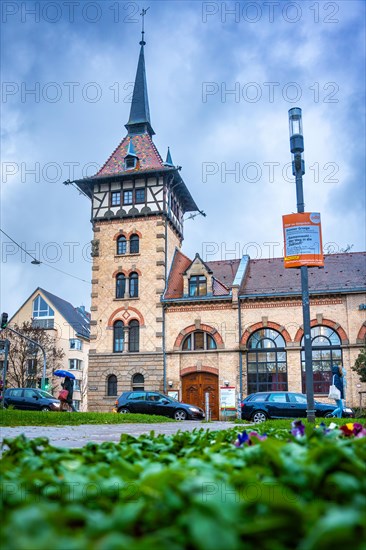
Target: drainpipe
x=240, y=358
x=165, y=285
x=164, y=352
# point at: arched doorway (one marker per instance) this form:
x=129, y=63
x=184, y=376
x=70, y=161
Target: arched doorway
x=194, y=387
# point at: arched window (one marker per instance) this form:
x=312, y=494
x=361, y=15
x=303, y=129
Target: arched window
x=326, y=351
x=138, y=382
x=134, y=244
x=266, y=361
x=112, y=385
x=134, y=285
x=121, y=245
x=118, y=337
x=134, y=336
x=198, y=340
x=120, y=285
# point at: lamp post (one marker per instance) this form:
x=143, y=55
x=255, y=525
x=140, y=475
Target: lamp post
x=298, y=170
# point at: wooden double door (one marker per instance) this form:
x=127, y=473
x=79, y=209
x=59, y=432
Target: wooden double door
x=196, y=385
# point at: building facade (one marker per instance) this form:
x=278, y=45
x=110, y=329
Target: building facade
x=69, y=328
x=162, y=321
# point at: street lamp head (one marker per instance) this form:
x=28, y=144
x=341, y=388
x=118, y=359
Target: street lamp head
x=296, y=135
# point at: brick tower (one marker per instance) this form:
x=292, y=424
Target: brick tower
x=138, y=204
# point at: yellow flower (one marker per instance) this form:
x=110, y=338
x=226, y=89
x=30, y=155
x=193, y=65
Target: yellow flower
x=350, y=425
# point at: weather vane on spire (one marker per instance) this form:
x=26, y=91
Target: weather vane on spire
x=143, y=13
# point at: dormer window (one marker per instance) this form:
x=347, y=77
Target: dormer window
x=198, y=285
x=130, y=163
x=131, y=157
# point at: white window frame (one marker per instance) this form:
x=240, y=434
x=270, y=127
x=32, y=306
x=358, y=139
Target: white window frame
x=78, y=341
x=78, y=363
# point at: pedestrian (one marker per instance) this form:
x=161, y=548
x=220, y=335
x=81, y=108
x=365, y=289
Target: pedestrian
x=68, y=384
x=337, y=373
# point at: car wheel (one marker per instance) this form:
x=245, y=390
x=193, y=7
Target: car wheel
x=45, y=409
x=123, y=410
x=259, y=416
x=180, y=415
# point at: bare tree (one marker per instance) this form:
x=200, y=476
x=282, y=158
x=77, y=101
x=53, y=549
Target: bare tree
x=25, y=361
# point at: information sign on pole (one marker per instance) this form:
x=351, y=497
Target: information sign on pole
x=303, y=240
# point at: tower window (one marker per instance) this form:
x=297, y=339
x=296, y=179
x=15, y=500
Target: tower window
x=120, y=285
x=130, y=163
x=134, y=244
x=198, y=285
x=121, y=245
x=134, y=285
x=134, y=336
x=115, y=198
x=127, y=197
x=140, y=196
x=118, y=337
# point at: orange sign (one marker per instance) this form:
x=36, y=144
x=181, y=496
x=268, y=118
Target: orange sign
x=303, y=240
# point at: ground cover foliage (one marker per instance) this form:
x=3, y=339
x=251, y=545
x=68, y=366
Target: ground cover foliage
x=11, y=417
x=193, y=490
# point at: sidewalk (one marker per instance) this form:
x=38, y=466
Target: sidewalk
x=78, y=436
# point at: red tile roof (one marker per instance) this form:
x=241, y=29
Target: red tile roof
x=148, y=156
x=175, y=280
x=223, y=275
x=341, y=272
x=269, y=277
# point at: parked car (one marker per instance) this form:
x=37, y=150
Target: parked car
x=144, y=402
x=30, y=399
x=260, y=406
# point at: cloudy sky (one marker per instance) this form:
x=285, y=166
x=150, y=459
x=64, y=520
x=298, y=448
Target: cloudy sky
x=221, y=78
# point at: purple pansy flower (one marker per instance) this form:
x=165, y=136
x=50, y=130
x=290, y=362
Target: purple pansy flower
x=245, y=439
x=298, y=428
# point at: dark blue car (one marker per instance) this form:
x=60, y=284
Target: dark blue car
x=30, y=399
x=144, y=402
x=261, y=406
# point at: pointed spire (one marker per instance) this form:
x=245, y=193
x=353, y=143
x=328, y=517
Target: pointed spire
x=169, y=161
x=139, y=121
x=131, y=150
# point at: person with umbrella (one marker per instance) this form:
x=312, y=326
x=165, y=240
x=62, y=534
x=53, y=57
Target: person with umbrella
x=68, y=385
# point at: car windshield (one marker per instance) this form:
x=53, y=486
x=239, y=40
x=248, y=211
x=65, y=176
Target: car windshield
x=46, y=394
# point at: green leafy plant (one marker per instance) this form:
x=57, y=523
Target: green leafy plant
x=360, y=365
x=193, y=490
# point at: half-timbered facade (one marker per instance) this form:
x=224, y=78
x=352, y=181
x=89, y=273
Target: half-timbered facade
x=162, y=321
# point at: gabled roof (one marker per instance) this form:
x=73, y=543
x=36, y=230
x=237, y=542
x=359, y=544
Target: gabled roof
x=79, y=321
x=223, y=274
x=341, y=273
x=78, y=318
x=198, y=257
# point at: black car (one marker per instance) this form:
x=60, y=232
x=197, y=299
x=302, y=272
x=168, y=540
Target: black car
x=258, y=407
x=30, y=399
x=143, y=402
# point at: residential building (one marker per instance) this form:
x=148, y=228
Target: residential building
x=69, y=326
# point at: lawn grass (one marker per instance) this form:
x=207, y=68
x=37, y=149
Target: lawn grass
x=38, y=418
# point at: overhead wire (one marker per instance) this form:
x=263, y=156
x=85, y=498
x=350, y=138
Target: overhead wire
x=47, y=264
